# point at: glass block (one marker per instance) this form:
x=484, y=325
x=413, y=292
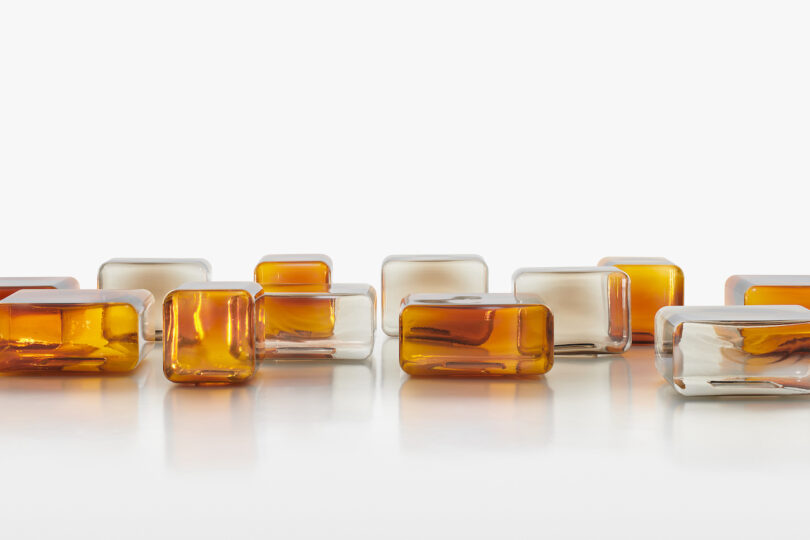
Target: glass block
x=488, y=334
x=77, y=330
x=10, y=285
x=291, y=330
x=727, y=350
x=407, y=274
x=293, y=269
x=159, y=276
x=211, y=332
x=591, y=306
x=655, y=282
x=768, y=290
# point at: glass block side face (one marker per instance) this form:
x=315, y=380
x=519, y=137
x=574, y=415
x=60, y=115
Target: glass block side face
x=408, y=274
x=210, y=333
x=343, y=331
x=469, y=335
x=159, y=276
x=763, y=290
x=654, y=283
x=734, y=350
x=591, y=306
x=83, y=331
x=10, y=285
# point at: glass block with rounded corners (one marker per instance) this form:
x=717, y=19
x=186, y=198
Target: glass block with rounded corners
x=72, y=330
x=655, y=282
x=159, y=276
x=408, y=274
x=211, y=332
x=10, y=285
x=475, y=335
x=300, y=269
x=290, y=330
x=764, y=290
x=591, y=306
x=734, y=350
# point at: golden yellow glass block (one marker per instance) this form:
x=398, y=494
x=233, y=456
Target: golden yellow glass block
x=768, y=290
x=210, y=332
x=475, y=335
x=72, y=330
x=10, y=285
x=654, y=283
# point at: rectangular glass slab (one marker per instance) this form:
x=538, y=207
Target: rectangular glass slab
x=159, y=276
x=292, y=331
x=655, y=282
x=10, y=285
x=758, y=290
x=211, y=332
x=445, y=274
x=734, y=350
x=294, y=269
x=591, y=306
x=475, y=335
x=75, y=330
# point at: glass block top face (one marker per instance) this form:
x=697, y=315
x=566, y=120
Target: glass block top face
x=407, y=274
x=730, y=350
x=274, y=270
x=768, y=290
x=139, y=299
x=591, y=306
x=469, y=335
x=655, y=282
x=9, y=285
x=250, y=287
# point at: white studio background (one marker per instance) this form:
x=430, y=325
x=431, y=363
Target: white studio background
x=533, y=133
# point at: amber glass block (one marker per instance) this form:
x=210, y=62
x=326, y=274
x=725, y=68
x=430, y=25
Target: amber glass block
x=72, y=330
x=654, y=283
x=10, y=285
x=210, y=332
x=471, y=335
x=768, y=290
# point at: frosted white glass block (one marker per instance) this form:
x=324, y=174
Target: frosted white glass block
x=158, y=276
x=407, y=274
x=727, y=350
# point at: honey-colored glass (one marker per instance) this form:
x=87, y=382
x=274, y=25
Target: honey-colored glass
x=210, y=332
x=10, y=285
x=764, y=290
x=475, y=335
x=72, y=330
x=654, y=283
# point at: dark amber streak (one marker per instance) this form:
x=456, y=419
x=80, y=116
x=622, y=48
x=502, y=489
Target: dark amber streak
x=652, y=287
x=773, y=295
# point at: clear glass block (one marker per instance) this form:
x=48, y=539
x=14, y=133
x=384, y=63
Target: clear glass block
x=159, y=276
x=728, y=350
x=591, y=306
x=76, y=330
x=295, y=327
x=211, y=332
x=768, y=290
x=487, y=334
x=655, y=282
x=10, y=285
x=407, y=274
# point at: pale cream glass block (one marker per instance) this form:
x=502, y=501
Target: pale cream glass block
x=407, y=274
x=10, y=285
x=591, y=306
x=292, y=333
x=159, y=276
x=734, y=350
x=768, y=290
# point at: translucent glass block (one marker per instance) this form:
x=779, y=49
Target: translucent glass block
x=591, y=306
x=488, y=334
x=654, y=283
x=10, y=285
x=407, y=274
x=734, y=349
x=293, y=269
x=291, y=330
x=78, y=330
x=768, y=290
x=211, y=332
x=159, y=276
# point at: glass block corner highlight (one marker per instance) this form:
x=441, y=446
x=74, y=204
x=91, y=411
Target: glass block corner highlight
x=475, y=335
x=10, y=285
x=655, y=282
x=591, y=306
x=445, y=274
x=211, y=332
x=734, y=350
x=759, y=290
